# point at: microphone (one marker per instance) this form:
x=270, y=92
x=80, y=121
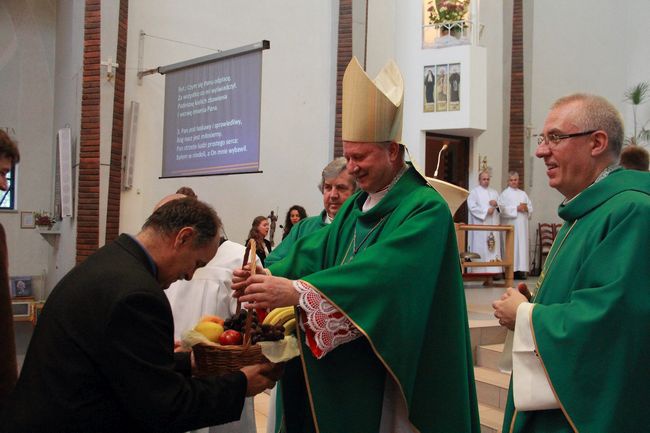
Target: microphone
x=435, y=173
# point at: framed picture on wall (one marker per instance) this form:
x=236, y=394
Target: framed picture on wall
x=21, y=287
x=429, y=88
x=442, y=87
x=454, y=87
x=27, y=220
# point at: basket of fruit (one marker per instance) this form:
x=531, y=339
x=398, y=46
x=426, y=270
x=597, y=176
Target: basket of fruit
x=231, y=350
x=233, y=343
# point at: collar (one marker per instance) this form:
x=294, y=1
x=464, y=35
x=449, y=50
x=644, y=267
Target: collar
x=152, y=264
x=603, y=174
x=375, y=197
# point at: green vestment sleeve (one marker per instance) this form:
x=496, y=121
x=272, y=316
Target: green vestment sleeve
x=301, y=229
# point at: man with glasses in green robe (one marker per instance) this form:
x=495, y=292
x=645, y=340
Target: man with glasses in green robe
x=384, y=339
x=581, y=346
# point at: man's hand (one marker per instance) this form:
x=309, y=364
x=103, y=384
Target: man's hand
x=490, y=211
x=263, y=291
x=493, y=203
x=505, y=309
x=240, y=277
x=261, y=376
x=523, y=207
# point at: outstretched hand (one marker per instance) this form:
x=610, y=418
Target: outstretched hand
x=261, y=376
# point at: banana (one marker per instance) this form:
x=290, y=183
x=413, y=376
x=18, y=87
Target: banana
x=269, y=317
x=290, y=326
x=285, y=314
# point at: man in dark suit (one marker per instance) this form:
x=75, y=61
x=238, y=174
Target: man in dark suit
x=101, y=358
x=9, y=156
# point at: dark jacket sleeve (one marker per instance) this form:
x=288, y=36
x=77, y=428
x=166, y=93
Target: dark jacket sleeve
x=140, y=363
x=8, y=368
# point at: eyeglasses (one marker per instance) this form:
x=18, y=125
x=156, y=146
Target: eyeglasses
x=556, y=138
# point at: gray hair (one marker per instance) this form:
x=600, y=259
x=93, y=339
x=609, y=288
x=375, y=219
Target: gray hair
x=333, y=170
x=513, y=173
x=185, y=212
x=596, y=113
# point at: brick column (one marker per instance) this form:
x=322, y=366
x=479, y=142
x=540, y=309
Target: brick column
x=88, y=196
x=343, y=57
x=516, y=144
x=115, y=171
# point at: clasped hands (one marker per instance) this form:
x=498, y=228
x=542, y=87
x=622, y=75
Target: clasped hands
x=263, y=291
x=505, y=308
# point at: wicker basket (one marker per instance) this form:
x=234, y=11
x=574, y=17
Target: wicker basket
x=214, y=360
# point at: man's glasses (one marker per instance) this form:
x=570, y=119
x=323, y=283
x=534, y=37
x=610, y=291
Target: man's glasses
x=556, y=138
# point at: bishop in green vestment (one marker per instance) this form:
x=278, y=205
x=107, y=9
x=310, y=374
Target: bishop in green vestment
x=590, y=317
x=385, y=341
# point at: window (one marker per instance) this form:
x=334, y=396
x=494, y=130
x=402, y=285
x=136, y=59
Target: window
x=8, y=197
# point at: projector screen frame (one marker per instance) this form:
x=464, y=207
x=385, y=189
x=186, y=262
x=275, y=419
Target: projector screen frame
x=258, y=46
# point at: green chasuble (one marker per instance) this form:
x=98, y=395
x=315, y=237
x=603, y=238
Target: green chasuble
x=591, y=319
x=394, y=272
x=302, y=228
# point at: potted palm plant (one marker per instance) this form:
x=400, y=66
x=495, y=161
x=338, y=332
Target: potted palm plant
x=637, y=95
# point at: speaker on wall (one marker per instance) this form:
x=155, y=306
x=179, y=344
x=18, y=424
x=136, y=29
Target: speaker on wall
x=128, y=155
x=65, y=171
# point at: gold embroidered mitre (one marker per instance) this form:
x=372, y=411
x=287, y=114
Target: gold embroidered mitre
x=372, y=110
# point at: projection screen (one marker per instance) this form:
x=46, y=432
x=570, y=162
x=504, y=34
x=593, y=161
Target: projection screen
x=212, y=114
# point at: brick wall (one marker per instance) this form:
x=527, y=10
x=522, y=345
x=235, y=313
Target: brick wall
x=88, y=195
x=115, y=171
x=343, y=57
x=516, y=142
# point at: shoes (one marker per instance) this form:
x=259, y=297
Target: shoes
x=520, y=275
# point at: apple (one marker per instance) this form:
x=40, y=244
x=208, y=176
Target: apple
x=212, y=318
x=231, y=338
x=211, y=330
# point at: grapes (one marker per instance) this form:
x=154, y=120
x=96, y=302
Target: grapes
x=263, y=332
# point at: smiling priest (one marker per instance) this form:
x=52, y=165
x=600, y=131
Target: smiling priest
x=385, y=340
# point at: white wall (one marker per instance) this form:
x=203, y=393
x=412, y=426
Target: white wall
x=27, y=38
x=297, y=102
x=482, y=112
x=67, y=100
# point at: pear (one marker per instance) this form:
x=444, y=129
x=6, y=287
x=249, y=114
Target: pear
x=212, y=331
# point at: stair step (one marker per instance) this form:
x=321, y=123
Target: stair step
x=491, y=386
x=489, y=355
x=491, y=418
x=484, y=332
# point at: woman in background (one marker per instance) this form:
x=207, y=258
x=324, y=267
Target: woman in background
x=258, y=231
x=294, y=215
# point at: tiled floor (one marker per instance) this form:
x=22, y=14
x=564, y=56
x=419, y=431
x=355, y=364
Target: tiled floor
x=261, y=411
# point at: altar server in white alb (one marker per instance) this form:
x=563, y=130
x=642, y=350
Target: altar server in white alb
x=484, y=210
x=516, y=209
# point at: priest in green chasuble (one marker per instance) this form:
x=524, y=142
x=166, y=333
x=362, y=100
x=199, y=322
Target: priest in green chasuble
x=384, y=335
x=581, y=346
